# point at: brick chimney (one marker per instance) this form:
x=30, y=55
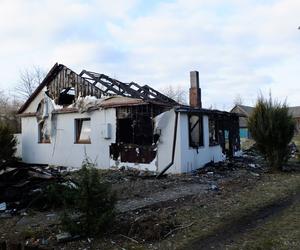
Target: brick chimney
x=195, y=91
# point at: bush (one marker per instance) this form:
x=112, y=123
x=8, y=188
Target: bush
x=7, y=145
x=93, y=208
x=55, y=195
x=272, y=128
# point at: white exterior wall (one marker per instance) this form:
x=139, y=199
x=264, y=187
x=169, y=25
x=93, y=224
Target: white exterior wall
x=62, y=150
x=191, y=158
x=165, y=145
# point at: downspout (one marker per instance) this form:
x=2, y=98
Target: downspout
x=173, y=149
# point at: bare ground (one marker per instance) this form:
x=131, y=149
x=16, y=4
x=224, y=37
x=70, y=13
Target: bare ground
x=210, y=209
x=229, y=233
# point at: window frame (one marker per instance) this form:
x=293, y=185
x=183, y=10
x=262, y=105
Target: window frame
x=77, y=123
x=201, y=131
x=40, y=134
x=215, y=142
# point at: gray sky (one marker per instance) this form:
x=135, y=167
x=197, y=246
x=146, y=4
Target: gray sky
x=239, y=47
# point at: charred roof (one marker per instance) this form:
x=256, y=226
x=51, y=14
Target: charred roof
x=91, y=83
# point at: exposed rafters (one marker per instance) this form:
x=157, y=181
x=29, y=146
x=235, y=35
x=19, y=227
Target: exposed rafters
x=112, y=86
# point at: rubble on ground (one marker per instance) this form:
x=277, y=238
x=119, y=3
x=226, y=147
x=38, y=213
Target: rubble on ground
x=21, y=185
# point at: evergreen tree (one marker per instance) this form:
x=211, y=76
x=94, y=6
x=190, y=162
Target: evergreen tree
x=272, y=128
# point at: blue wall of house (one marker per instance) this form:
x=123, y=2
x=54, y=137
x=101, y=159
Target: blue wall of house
x=244, y=133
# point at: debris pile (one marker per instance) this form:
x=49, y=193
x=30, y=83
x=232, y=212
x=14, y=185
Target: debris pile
x=22, y=185
x=228, y=167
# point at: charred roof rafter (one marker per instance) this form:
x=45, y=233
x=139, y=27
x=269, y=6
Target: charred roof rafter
x=132, y=89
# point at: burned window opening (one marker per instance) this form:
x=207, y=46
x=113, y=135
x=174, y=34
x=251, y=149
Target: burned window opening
x=43, y=132
x=135, y=137
x=66, y=96
x=137, y=130
x=83, y=131
x=227, y=132
x=196, y=131
x=135, y=125
x=213, y=132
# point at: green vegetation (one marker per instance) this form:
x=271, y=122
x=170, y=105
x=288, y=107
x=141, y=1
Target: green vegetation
x=93, y=207
x=7, y=145
x=272, y=128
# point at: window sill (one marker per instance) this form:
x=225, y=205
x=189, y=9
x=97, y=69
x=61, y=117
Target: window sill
x=195, y=147
x=82, y=142
x=44, y=142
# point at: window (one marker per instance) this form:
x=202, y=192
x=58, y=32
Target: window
x=134, y=126
x=196, y=130
x=213, y=132
x=44, y=135
x=83, y=131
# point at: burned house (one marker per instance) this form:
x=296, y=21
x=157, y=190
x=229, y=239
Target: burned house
x=73, y=116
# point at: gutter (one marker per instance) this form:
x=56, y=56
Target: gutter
x=173, y=149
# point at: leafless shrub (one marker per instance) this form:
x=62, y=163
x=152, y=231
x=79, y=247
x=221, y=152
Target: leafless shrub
x=178, y=94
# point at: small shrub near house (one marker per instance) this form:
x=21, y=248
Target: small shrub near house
x=7, y=145
x=272, y=128
x=93, y=207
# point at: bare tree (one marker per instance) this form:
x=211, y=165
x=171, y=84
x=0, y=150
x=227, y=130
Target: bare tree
x=29, y=79
x=178, y=94
x=8, y=111
x=238, y=100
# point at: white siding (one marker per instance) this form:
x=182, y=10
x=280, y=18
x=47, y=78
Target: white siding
x=192, y=158
x=62, y=150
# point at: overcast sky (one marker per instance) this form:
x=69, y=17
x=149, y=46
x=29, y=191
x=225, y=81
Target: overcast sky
x=239, y=47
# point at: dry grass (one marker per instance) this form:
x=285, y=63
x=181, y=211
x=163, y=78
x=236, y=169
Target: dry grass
x=219, y=211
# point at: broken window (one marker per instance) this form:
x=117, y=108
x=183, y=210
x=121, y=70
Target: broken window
x=66, y=96
x=138, y=130
x=213, y=132
x=135, y=136
x=43, y=132
x=196, y=130
x=83, y=130
x=135, y=125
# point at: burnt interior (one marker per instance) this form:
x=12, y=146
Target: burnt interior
x=224, y=131
x=135, y=137
x=66, y=96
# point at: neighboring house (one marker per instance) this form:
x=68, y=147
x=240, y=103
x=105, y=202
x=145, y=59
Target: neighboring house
x=246, y=111
x=73, y=116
